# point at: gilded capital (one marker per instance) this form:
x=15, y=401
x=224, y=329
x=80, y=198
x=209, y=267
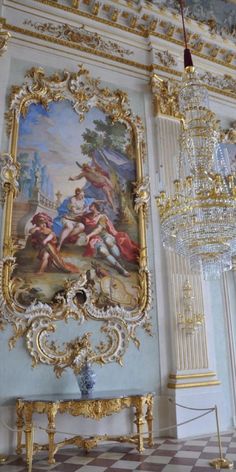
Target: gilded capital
x=229, y=135
x=4, y=37
x=165, y=96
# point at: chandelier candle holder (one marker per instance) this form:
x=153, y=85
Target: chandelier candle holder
x=188, y=320
x=199, y=220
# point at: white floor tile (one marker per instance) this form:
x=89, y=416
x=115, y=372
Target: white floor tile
x=188, y=454
x=92, y=468
x=202, y=463
x=125, y=465
x=177, y=468
x=112, y=455
x=158, y=459
x=170, y=447
x=196, y=443
x=214, y=449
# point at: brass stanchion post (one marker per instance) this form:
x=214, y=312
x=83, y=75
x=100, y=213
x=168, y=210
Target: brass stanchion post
x=221, y=462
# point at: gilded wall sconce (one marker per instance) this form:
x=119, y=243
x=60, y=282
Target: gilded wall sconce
x=189, y=321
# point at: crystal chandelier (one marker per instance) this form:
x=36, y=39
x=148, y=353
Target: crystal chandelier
x=199, y=220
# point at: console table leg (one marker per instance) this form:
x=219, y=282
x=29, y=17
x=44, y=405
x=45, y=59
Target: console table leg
x=19, y=424
x=51, y=432
x=149, y=419
x=139, y=423
x=28, y=433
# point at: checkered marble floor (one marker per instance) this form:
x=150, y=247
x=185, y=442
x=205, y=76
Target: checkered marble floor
x=167, y=455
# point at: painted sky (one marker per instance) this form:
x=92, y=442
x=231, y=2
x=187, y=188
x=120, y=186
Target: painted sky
x=56, y=134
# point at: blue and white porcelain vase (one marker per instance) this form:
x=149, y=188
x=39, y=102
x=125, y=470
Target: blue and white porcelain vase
x=86, y=379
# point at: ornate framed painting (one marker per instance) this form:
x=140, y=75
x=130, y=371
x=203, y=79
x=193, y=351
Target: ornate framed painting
x=74, y=232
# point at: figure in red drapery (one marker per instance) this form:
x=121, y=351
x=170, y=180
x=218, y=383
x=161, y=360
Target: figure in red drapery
x=44, y=240
x=105, y=241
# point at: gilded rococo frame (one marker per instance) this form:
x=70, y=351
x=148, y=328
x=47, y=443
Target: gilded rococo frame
x=36, y=321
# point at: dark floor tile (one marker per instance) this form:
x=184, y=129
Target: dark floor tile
x=183, y=461
x=134, y=457
x=114, y=469
x=64, y=457
x=208, y=455
x=65, y=468
x=123, y=449
x=102, y=462
x=202, y=469
x=231, y=450
x=164, y=452
x=151, y=467
x=18, y=461
x=192, y=448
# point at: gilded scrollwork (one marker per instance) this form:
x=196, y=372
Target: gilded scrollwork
x=78, y=299
x=142, y=195
x=79, y=35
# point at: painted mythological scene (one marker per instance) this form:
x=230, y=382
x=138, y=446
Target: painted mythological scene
x=74, y=212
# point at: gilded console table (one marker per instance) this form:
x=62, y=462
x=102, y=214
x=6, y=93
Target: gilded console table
x=95, y=406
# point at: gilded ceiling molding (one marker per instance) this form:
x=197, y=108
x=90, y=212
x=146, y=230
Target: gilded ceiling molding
x=80, y=36
x=137, y=21
x=78, y=46
x=222, y=85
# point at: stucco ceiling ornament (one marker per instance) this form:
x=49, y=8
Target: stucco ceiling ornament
x=226, y=82
x=78, y=299
x=79, y=35
x=166, y=58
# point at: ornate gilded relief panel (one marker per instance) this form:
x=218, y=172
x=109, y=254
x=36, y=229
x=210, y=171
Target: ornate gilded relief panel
x=76, y=203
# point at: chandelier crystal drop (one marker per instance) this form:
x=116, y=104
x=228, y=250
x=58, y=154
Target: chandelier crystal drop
x=199, y=220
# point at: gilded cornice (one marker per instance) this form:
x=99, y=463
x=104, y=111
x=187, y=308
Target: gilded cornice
x=224, y=85
x=79, y=35
x=140, y=21
x=78, y=46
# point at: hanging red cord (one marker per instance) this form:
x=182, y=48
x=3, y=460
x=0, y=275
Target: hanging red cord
x=188, y=62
